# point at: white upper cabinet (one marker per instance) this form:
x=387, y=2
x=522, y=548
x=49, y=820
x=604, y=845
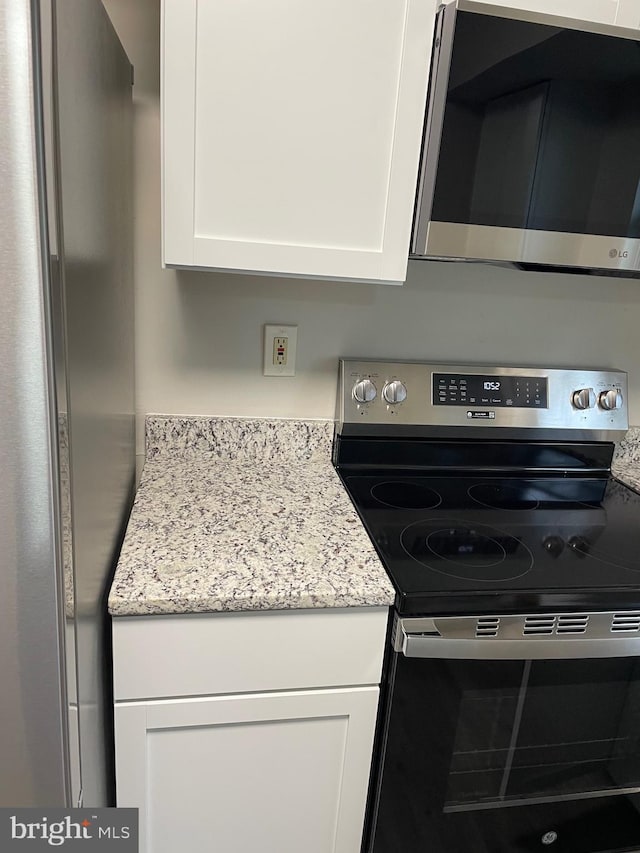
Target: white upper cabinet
x=628, y=13
x=599, y=11
x=291, y=134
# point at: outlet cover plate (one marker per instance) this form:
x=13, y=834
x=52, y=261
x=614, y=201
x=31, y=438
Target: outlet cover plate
x=270, y=334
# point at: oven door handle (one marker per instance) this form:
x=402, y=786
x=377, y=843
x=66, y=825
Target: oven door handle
x=520, y=637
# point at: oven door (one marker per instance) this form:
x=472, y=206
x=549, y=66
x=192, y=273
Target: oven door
x=532, y=142
x=494, y=752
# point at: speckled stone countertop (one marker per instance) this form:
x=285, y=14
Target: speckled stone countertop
x=235, y=514
x=626, y=462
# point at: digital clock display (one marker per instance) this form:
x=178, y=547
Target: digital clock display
x=488, y=392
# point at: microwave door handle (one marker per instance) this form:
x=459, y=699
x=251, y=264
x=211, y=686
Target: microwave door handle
x=434, y=119
x=436, y=639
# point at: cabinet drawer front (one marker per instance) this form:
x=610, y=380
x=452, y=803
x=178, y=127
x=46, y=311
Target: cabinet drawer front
x=205, y=654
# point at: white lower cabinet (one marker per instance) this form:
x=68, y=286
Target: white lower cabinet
x=277, y=771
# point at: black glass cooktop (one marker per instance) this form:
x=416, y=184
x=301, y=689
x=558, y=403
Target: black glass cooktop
x=502, y=543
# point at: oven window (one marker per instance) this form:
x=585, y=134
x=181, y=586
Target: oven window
x=569, y=728
x=499, y=754
x=541, y=129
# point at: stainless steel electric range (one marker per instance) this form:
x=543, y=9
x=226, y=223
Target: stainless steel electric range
x=510, y=716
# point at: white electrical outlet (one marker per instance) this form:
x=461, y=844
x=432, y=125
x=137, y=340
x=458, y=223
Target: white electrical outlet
x=280, y=350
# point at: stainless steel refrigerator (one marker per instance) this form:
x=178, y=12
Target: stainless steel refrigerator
x=66, y=391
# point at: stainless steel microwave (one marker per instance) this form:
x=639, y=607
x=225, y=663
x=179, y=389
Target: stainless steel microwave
x=531, y=152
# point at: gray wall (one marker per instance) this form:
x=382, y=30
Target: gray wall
x=199, y=335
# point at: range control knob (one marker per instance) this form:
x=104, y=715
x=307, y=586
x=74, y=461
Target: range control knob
x=579, y=545
x=585, y=398
x=611, y=399
x=364, y=391
x=553, y=545
x=394, y=392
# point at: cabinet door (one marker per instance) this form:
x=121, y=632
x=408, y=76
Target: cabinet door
x=274, y=772
x=628, y=14
x=599, y=11
x=291, y=134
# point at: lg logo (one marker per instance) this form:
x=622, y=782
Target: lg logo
x=616, y=253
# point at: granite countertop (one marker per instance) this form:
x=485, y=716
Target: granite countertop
x=236, y=514
x=626, y=462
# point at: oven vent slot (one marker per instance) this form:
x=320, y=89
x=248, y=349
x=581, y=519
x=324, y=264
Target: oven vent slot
x=539, y=625
x=487, y=626
x=572, y=624
x=626, y=621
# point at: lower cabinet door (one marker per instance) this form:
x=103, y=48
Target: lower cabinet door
x=270, y=772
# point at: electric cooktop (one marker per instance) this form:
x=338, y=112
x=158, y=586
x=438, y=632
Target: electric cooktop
x=489, y=489
x=485, y=535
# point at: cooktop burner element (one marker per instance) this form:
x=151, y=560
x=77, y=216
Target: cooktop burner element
x=470, y=552
x=406, y=495
x=502, y=496
x=475, y=508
